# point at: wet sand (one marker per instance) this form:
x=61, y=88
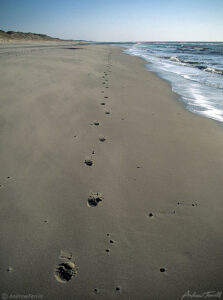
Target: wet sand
x=110, y=189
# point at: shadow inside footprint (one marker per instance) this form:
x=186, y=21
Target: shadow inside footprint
x=9, y=269
x=102, y=139
x=96, y=123
x=162, y=270
x=102, y=103
x=107, y=112
x=94, y=199
x=65, y=271
x=88, y=162
x=96, y=290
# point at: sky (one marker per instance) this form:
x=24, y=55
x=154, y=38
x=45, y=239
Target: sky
x=116, y=20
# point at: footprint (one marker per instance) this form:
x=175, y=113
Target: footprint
x=107, y=112
x=107, y=250
x=151, y=215
x=94, y=199
x=96, y=123
x=96, y=290
x=103, y=82
x=102, y=139
x=102, y=91
x=106, y=97
x=88, y=162
x=9, y=269
x=162, y=270
x=65, y=271
x=102, y=103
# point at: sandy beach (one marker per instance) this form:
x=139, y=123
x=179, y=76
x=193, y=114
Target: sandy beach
x=109, y=187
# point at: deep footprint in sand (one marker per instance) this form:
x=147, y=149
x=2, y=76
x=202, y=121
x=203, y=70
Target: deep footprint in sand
x=65, y=272
x=107, y=112
x=96, y=291
x=67, y=269
x=102, y=139
x=9, y=269
x=106, y=97
x=88, y=162
x=96, y=123
x=162, y=270
x=94, y=199
x=102, y=103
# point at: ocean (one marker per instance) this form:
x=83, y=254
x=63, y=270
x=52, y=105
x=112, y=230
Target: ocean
x=194, y=70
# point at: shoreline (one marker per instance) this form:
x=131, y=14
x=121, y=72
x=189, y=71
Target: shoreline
x=200, y=93
x=176, y=96
x=154, y=229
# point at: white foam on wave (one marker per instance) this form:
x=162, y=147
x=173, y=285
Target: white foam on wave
x=214, y=70
x=199, y=93
x=208, y=108
x=174, y=58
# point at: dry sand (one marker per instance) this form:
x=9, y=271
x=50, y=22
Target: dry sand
x=94, y=204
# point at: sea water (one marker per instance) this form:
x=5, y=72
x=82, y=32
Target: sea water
x=194, y=69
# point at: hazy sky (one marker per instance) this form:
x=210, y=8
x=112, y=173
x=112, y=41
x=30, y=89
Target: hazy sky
x=116, y=20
